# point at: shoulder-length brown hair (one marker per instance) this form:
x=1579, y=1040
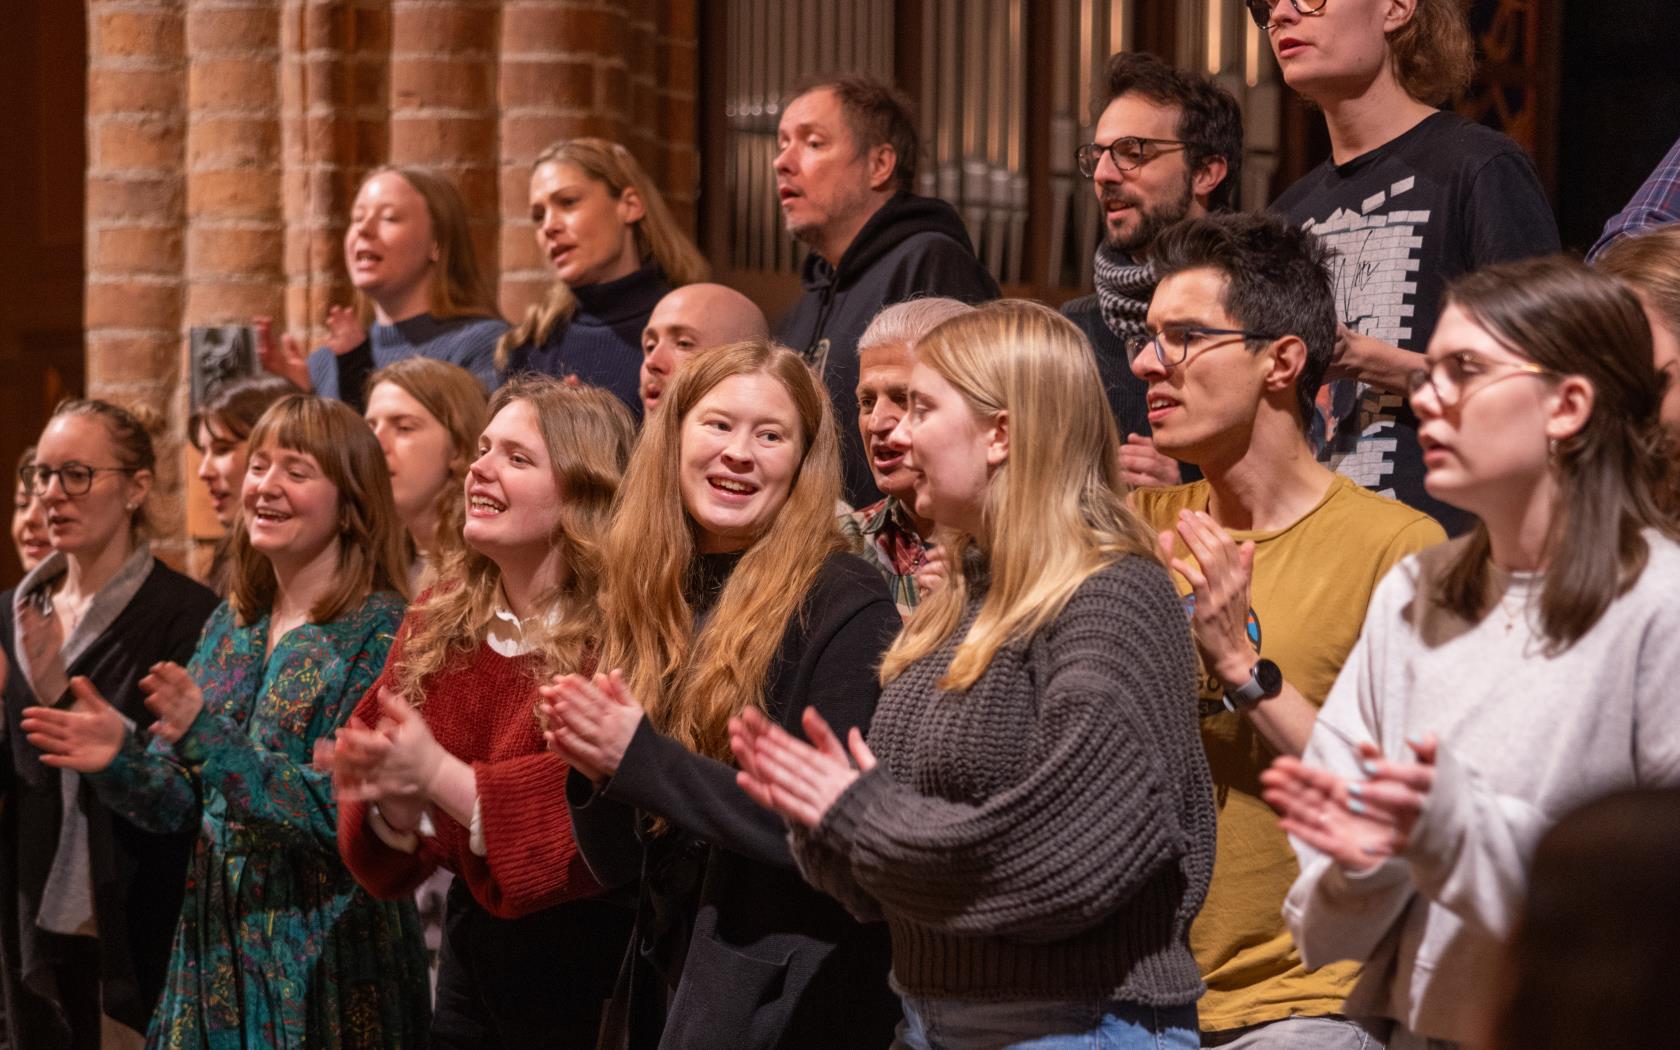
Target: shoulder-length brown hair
x=1434, y=53
x=370, y=537
x=587, y=434
x=1055, y=511
x=1572, y=320
x=453, y=397
x=458, y=287
x=692, y=684
x=658, y=237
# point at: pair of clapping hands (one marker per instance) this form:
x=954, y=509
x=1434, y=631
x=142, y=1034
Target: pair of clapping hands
x=86, y=735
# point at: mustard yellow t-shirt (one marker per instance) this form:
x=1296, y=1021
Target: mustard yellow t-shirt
x=1312, y=582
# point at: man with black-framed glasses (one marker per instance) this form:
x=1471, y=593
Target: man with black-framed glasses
x=1276, y=557
x=1168, y=146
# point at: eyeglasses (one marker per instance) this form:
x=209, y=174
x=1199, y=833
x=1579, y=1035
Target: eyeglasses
x=1128, y=154
x=1455, y=377
x=76, y=478
x=1174, y=342
x=1262, y=9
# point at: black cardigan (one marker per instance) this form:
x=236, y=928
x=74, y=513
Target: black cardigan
x=138, y=876
x=770, y=962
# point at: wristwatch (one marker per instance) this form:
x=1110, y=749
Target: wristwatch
x=1264, y=682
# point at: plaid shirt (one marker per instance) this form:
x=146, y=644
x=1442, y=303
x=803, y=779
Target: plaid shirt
x=883, y=534
x=1656, y=204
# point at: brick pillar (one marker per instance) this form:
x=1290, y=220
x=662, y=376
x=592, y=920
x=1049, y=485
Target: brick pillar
x=135, y=209
x=443, y=101
x=674, y=154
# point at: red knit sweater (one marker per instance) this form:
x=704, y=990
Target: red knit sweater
x=480, y=710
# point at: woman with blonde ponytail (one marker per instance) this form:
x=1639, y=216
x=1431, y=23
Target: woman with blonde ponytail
x=1032, y=814
x=615, y=250
x=726, y=588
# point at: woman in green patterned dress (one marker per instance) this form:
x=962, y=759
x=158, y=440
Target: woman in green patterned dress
x=277, y=946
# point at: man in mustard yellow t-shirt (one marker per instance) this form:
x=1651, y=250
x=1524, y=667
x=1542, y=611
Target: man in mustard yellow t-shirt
x=1276, y=557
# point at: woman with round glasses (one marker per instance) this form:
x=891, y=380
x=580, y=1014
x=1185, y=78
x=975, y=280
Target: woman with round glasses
x=1411, y=197
x=1507, y=676
x=88, y=899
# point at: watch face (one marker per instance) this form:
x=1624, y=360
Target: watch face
x=1269, y=677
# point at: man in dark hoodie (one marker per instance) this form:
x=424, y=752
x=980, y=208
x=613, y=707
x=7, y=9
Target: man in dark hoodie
x=1168, y=147
x=845, y=163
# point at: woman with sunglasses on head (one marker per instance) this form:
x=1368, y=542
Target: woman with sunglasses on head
x=88, y=898
x=276, y=945
x=1032, y=815
x=1452, y=195
x=1507, y=676
x=419, y=292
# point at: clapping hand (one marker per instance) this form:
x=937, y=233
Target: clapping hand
x=1219, y=579
x=1357, y=823
x=787, y=776
x=174, y=697
x=589, y=723
x=85, y=738
x=1144, y=467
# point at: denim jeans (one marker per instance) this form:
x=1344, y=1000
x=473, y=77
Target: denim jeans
x=1302, y=1033
x=969, y=1024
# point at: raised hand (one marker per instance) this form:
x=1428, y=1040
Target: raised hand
x=344, y=330
x=1143, y=467
x=590, y=723
x=797, y=780
x=934, y=569
x=84, y=738
x=1219, y=577
x=285, y=358
x=174, y=697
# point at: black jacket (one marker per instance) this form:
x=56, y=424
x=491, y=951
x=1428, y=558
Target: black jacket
x=138, y=876
x=770, y=962
x=912, y=247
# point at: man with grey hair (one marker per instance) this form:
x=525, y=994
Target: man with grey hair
x=888, y=533
x=692, y=318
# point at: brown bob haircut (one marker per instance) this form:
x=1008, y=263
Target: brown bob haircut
x=1434, y=53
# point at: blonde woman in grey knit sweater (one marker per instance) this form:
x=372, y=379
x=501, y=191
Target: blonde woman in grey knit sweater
x=1032, y=814
x=1508, y=676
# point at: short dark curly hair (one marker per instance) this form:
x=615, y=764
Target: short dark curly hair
x=1277, y=280
x=1209, y=119
x=877, y=113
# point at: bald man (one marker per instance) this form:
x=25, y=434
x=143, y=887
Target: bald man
x=692, y=318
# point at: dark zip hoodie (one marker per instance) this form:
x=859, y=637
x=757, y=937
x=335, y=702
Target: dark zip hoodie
x=912, y=247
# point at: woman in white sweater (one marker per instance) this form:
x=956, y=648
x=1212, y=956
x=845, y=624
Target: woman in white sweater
x=1507, y=676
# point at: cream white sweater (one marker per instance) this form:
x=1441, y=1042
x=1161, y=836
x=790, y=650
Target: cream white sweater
x=1524, y=739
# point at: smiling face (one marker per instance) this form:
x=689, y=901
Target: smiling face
x=1337, y=51
x=89, y=523
x=390, y=247
x=1493, y=443
x=221, y=466
x=513, y=497
x=1139, y=204
x=292, y=511
x=740, y=452
x=948, y=451
x=883, y=395
x=1205, y=406
x=583, y=230
x=29, y=527
x=823, y=177
x=418, y=449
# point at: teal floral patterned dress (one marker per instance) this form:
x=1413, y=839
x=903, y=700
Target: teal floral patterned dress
x=277, y=946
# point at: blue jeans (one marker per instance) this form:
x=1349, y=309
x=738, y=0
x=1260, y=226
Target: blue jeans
x=970, y=1024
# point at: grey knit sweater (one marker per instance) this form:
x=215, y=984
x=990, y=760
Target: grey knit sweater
x=1049, y=833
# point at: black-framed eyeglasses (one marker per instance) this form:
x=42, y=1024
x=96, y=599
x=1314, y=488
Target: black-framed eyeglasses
x=1175, y=342
x=1455, y=377
x=1262, y=9
x=1128, y=153
x=76, y=478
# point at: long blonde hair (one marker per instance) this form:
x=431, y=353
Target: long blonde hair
x=453, y=397
x=692, y=684
x=370, y=537
x=658, y=238
x=1054, y=511
x=587, y=433
x=458, y=286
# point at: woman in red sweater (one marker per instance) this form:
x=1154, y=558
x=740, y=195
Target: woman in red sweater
x=444, y=763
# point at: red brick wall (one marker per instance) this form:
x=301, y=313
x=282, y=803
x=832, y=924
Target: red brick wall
x=226, y=139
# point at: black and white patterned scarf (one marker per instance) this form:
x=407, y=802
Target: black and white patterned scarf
x=1123, y=291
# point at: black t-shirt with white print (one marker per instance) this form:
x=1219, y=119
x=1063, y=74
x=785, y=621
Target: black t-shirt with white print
x=1447, y=197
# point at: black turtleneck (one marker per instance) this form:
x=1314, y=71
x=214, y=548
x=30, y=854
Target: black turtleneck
x=602, y=342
